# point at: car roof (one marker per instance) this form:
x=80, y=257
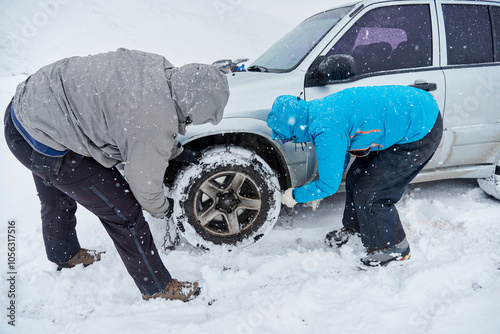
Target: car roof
x=363, y=3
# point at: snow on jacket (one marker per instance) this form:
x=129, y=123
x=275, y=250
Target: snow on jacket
x=354, y=120
x=123, y=106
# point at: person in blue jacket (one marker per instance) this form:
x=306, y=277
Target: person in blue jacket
x=393, y=131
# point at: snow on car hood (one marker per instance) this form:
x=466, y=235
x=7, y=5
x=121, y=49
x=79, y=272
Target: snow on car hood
x=253, y=93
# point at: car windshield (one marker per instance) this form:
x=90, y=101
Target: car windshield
x=286, y=54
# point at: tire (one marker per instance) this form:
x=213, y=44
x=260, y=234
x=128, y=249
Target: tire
x=491, y=185
x=232, y=198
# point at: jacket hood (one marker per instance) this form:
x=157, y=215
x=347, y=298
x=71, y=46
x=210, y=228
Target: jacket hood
x=200, y=93
x=289, y=119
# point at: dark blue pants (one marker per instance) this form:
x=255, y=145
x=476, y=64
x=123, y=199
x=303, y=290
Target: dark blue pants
x=376, y=182
x=104, y=192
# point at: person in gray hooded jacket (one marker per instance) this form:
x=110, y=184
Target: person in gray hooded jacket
x=74, y=120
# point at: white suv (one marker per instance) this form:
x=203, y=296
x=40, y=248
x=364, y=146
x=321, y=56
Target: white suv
x=450, y=48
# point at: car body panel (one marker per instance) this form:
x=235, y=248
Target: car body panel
x=471, y=115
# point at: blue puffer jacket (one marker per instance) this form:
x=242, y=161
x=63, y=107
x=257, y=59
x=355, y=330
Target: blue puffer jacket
x=354, y=120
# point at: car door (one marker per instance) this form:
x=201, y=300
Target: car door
x=471, y=66
x=392, y=43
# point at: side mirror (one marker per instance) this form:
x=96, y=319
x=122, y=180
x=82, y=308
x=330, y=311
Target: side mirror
x=330, y=69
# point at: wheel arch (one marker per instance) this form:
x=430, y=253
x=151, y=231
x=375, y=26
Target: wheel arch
x=259, y=143
x=491, y=185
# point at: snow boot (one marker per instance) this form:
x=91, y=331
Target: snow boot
x=84, y=256
x=381, y=257
x=340, y=237
x=176, y=290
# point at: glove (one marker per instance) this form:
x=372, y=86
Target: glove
x=170, y=210
x=313, y=204
x=287, y=198
x=189, y=156
x=168, y=213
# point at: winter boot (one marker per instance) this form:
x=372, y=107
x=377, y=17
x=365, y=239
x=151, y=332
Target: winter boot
x=84, y=256
x=176, y=290
x=381, y=257
x=340, y=237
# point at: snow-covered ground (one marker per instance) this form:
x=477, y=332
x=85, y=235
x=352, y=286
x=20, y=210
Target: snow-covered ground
x=288, y=282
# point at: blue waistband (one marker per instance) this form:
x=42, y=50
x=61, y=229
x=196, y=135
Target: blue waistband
x=42, y=148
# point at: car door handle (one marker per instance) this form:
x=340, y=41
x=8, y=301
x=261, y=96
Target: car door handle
x=429, y=87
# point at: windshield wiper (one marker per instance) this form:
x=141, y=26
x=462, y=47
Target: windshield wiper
x=257, y=68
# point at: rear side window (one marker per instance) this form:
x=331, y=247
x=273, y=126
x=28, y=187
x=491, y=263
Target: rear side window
x=389, y=38
x=468, y=34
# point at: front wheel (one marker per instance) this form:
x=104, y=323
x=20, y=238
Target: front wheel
x=491, y=185
x=231, y=198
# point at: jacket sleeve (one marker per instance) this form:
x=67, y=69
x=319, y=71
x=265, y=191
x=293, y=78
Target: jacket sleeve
x=145, y=164
x=331, y=147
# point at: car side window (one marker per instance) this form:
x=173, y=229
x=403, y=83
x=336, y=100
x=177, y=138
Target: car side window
x=468, y=34
x=389, y=38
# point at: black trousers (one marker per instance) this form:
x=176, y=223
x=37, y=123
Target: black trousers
x=103, y=191
x=376, y=182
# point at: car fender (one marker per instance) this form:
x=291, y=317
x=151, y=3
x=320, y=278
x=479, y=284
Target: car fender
x=292, y=158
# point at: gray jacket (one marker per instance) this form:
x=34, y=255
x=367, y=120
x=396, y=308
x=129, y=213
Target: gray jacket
x=123, y=106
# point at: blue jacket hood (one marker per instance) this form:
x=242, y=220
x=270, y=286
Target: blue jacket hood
x=289, y=119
